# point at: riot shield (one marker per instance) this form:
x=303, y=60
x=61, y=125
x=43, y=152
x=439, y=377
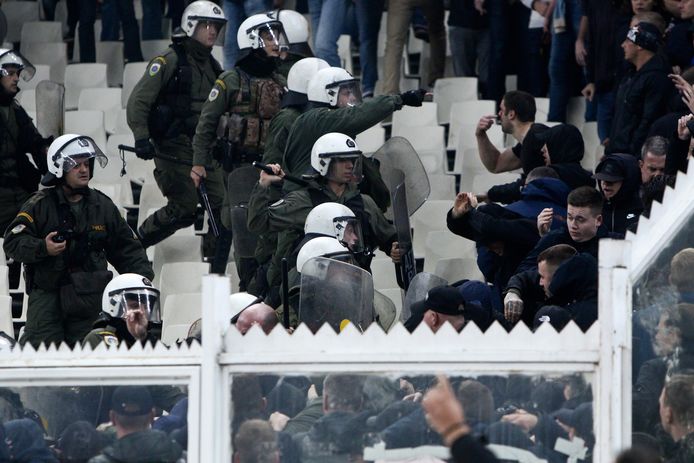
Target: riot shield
x=419, y=287
x=240, y=183
x=244, y=241
x=50, y=108
x=401, y=219
x=334, y=292
x=398, y=154
x=3, y=26
x=385, y=311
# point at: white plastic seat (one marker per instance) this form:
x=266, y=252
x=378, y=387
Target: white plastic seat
x=542, y=109
x=151, y=197
x=344, y=51
x=137, y=170
x=89, y=123
x=181, y=309
x=590, y=140
x=112, y=190
x=4, y=280
x=181, y=277
x=450, y=90
x=430, y=216
x=468, y=113
x=43, y=72
x=175, y=249
x=153, y=48
x=174, y=333
x=27, y=99
x=18, y=13
x=122, y=127
x=370, y=140
x=103, y=99
x=40, y=32
x=6, y=325
x=383, y=273
x=233, y=274
x=132, y=72
x=111, y=53
x=442, y=187
x=482, y=182
x=408, y=116
x=51, y=54
x=218, y=53
x=3, y=259
x=456, y=268
x=81, y=76
x=444, y=244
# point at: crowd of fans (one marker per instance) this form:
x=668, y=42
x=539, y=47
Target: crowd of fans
x=536, y=238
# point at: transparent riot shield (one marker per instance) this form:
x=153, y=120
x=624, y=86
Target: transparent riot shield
x=398, y=154
x=385, y=311
x=335, y=292
x=240, y=183
x=50, y=108
x=401, y=219
x=239, y=186
x=419, y=287
x=3, y=26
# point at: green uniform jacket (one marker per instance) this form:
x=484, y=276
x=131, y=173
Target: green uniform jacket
x=316, y=122
x=144, y=446
x=159, y=72
x=18, y=135
x=288, y=216
x=278, y=133
x=104, y=237
x=222, y=97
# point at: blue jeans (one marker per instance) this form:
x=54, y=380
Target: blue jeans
x=151, y=20
x=605, y=113
x=236, y=12
x=498, y=12
x=563, y=70
x=329, y=17
x=113, y=12
x=368, y=22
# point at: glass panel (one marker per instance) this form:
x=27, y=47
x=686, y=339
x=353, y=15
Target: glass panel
x=340, y=416
x=663, y=342
x=75, y=423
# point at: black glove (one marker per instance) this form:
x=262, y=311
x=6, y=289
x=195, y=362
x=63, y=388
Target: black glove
x=144, y=149
x=413, y=97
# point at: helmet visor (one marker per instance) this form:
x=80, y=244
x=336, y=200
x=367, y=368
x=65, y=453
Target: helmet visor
x=345, y=169
x=272, y=36
x=348, y=233
x=13, y=61
x=346, y=92
x=144, y=300
x=77, y=149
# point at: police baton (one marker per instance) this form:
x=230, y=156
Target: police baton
x=206, y=202
x=268, y=170
x=170, y=159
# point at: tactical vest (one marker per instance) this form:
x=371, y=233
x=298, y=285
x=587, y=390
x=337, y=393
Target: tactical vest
x=257, y=102
x=173, y=113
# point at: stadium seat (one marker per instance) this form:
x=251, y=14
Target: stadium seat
x=233, y=274
x=344, y=51
x=132, y=72
x=111, y=53
x=482, y=182
x=4, y=280
x=103, y=99
x=81, y=76
x=175, y=249
x=150, y=198
x=443, y=244
x=218, y=53
x=40, y=32
x=122, y=127
x=43, y=72
x=52, y=54
x=181, y=309
x=450, y=90
x=18, y=13
x=27, y=98
x=181, y=277
x=429, y=144
x=76, y=45
x=408, y=116
x=454, y=269
x=6, y=325
x=466, y=114
x=542, y=105
x=114, y=191
x=3, y=259
x=174, y=333
x=370, y=140
x=591, y=142
x=153, y=48
x=383, y=272
x=442, y=187
x=429, y=217
x=89, y=123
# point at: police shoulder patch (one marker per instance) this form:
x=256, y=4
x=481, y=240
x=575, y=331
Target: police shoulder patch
x=110, y=339
x=214, y=93
x=156, y=65
x=18, y=229
x=26, y=215
x=277, y=203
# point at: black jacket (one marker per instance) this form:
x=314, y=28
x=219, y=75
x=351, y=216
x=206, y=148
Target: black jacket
x=644, y=400
x=623, y=209
x=642, y=98
x=574, y=286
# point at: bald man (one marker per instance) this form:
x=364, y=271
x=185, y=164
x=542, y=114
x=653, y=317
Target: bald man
x=257, y=314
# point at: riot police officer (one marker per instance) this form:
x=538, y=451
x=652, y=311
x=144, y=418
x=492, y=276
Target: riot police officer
x=296, y=28
x=163, y=112
x=65, y=236
x=130, y=312
x=18, y=135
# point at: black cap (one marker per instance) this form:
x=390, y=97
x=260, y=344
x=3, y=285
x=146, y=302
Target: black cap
x=609, y=171
x=445, y=300
x=131, y=401
x=646, y=35
x=555, y=315
x=581, y=419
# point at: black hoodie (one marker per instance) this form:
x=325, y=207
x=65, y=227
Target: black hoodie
x=642, y=98
x=574, y=286
x=622, y=211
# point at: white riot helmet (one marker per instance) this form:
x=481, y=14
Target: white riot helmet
x=10, y=58
x=239, y=302
x=131, y=291
x=335, y=87
x=295, y=26
x=322, y=246
x=338, y=221
x=298, y=78
x=63, y=154
x=201, y=11
x=336, y=147
x=261, y=31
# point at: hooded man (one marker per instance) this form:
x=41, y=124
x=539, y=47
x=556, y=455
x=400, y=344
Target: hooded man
x=619, y=180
